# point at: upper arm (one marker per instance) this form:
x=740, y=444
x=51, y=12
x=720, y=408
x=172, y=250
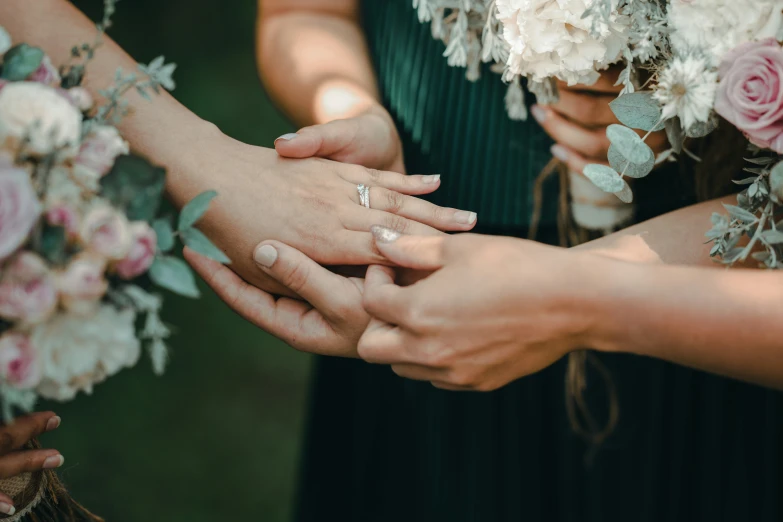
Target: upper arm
x=341, y=8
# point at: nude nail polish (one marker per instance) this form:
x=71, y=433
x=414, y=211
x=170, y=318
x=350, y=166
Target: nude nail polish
x=463, y=217
x=559, y=152
x=7, y=509
x=53, y=423
x=431, y=179
x=55, y=461
x=539, y=113
x=287, y=137
x=265, y=255
x=384, y=235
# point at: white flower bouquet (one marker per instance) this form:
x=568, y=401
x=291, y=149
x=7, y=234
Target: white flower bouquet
x=686, y=64
x=80, y=232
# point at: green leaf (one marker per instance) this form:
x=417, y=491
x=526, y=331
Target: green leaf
x=741, y=214
x=773, y=237
x=629, y=144
x=21, y=61
x=605, y=178
x=196, y=240
x=745, y=181
x=165, y=233
x=638, y=110
x=776, y=180
x=622, y=165
x=136, y=186
x=625, y=195
x=196, y=208
x=54, y=244
x=702, y=129
x=675, y=134
x=174, y=274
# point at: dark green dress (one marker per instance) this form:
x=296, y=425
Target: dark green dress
x=689, y=446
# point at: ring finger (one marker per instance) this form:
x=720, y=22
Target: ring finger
x=385, y=200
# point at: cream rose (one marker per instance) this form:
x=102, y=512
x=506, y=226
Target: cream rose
x=27, y=290
x=18, y=361
x=105, y=231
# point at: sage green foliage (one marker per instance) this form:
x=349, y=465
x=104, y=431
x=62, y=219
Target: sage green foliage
x=136, y=186
x=21, y=61
x=217, y=438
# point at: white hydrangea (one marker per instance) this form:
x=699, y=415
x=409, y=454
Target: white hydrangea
x=714, y=27
x=550, y=38
x=38, y=113
x=76, y=353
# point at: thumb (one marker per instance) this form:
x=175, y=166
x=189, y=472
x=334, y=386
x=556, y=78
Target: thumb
x=317, y=141
x=417, y=252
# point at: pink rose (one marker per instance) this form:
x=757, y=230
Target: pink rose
x=105, y=231
x=100, y=148
x=27, y=290
x=18, y=362
x=142, y=253
x=63, y=215
x=19, y=208
x=750, y=93
x=46, y=73
x=82, y=284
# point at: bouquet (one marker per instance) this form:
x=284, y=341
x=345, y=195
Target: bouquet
x=688, y=65
x=82, y=238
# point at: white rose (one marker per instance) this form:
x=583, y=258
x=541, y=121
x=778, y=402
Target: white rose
x=82, y=284
x=5, y=41
x=99, y=149
x=714, y=27
x=75, y=352
x=106, y=232
x=40, y=114
x=551, y=39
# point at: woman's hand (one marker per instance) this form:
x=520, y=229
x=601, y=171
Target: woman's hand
x=579, y=120
x=15, y=461
x=494, y=310
x=310, y=204
x=370, y=140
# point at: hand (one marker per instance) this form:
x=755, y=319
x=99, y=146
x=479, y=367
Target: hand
x=15, y=461
x=579, y=120
x=310, y=204
x=494, y=310
x=329, y=323
x=370, y=140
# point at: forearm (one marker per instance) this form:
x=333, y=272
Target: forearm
x=722, y=321
x=163, y=129
x=677, y=237
x=313, y=59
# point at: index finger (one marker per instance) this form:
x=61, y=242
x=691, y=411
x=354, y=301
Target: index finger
x=382, y=298
x=25, y=428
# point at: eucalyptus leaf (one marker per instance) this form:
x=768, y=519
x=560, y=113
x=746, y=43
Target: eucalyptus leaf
x=773, y=237
x=21, y=61
x=638, y=110
x=196, y=208
x=760, y=256
x=745, y=181
x=622, y=165
x=702, y=129
x=740, y=214
x=174, y=274
x=764, y=160
x=196, y=240
x=675, y=134
x=136, y=186
x=625, y=195
x=605, y=178
x=629, y=144
x=53, y=244
x=165, y=234
x=776, y=180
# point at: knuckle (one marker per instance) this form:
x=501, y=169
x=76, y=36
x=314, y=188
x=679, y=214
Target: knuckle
x=394, y=201
x=364, y=349
x=296, y=276
x=374, y=174
x=398, y=223
x=6, y=440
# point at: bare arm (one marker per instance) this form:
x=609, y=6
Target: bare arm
x=313, y=59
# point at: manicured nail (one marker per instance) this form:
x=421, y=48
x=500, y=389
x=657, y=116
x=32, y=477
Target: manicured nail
x=287, y=137
x=539, y=113
x=431, y=179
x=55, y=461
x=463, y=217
x=384, y=235
x=559, y=152
x=8, y=509
x=265, y=255
x=53, y=423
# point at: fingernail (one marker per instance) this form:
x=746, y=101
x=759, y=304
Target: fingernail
x=464, y=217
x=539, y=113
x=265, y=255
x=384, y=235
x=559, y=152
x=8, y=509
x=53, y=423
x=55, y=461
x=431, y=179
x=287, y=137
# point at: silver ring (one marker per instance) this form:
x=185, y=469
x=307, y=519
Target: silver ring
x=364, y=195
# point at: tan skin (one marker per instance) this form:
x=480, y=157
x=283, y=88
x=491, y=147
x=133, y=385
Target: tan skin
x=14, y=460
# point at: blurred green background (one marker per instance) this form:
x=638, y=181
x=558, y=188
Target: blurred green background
x=218, y=437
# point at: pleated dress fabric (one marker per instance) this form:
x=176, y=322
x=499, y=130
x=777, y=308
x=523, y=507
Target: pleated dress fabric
x=688, y=447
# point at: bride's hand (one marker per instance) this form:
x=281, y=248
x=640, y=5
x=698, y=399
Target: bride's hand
x=369, y=139
x=311, y=204
x=494, y=310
